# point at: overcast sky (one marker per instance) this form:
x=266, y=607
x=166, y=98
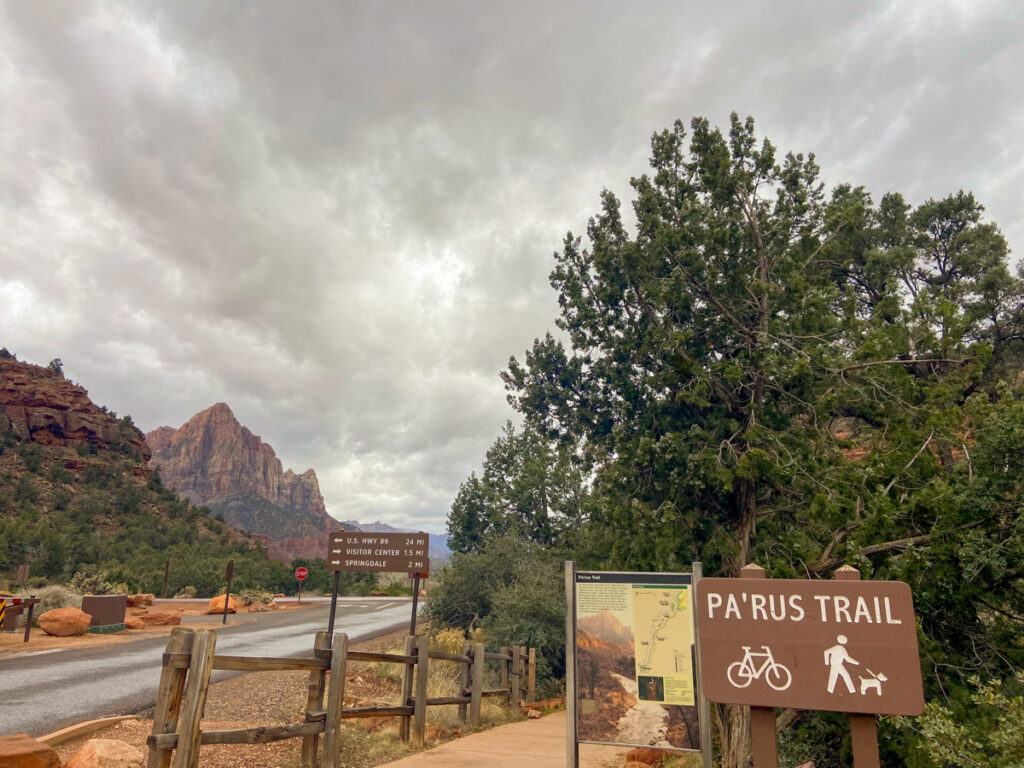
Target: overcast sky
x=338, y=218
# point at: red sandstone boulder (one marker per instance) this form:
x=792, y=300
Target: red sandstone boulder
x=217, y=605
x=22, y=751
x=106, y=753
x=134, y=622
x=160, y=619
x=65, y=622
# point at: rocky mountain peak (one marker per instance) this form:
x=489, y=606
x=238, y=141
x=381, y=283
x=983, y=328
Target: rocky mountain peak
x=217, y=462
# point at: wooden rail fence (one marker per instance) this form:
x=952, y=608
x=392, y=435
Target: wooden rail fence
x=190, y=659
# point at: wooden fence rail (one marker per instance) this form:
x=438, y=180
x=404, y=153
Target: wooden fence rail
x=190, y=658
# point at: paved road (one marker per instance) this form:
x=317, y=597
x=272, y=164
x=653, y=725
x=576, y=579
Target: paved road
x=42, y=692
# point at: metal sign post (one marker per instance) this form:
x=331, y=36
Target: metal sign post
x=334, y=604
x=228, y=573
x=415, y=600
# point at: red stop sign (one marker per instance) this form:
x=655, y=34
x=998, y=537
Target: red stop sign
x=301, y=574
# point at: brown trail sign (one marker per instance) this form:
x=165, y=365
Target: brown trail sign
x=844, y=645
x=379, y=552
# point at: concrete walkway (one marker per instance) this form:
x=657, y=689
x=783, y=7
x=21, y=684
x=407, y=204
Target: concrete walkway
x=534, y=743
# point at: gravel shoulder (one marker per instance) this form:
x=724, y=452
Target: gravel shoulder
x=278, y=698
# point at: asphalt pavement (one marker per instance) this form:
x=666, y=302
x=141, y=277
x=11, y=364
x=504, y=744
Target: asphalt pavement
x=42, y=692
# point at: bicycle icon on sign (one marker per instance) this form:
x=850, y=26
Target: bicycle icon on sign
x=742, y=673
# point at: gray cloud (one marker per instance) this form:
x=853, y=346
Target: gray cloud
x=339, y=219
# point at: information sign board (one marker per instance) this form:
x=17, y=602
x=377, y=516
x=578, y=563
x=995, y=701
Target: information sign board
x=634, y=650
x=378, y=552
x=842, y=646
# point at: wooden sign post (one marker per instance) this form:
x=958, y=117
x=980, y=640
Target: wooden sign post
x=228, y=573
x=842, y=646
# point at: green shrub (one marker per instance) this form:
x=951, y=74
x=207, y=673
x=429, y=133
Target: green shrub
x=53, y=597
x=506, y=590
x=91, y=584
x=188, y=591
x=251, y=596
x=26, y=493
x=32, y=455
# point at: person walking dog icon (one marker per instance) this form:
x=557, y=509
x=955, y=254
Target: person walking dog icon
x=836, y=658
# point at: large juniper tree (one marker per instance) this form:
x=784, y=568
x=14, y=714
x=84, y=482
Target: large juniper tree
x=763, y=371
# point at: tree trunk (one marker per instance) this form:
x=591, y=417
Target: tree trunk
x=745, y=496
x=733, y=721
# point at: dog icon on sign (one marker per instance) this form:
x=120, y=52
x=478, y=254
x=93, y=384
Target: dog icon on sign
x=872, y=683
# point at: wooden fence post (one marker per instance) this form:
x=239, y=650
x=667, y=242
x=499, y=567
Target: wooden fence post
x=419, y=717
x=335, y=702
x=315, y=698
x=479, y=658
x=194, y=701
x=517, y=676
x=464, y=680
x=404, y=722
x=506, y=669
x=531, y=676
x=168, y=696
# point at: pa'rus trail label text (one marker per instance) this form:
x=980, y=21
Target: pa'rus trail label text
x=835, y=609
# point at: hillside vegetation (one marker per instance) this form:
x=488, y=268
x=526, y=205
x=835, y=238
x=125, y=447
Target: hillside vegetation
x=76, y=496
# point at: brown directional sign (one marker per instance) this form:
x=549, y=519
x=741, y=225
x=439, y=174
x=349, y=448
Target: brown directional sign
x=844, y=646
x=378, y=552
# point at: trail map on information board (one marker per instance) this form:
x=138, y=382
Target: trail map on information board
x=635, y=660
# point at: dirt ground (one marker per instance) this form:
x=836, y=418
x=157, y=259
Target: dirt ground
x=278, y=698
x=13, y=643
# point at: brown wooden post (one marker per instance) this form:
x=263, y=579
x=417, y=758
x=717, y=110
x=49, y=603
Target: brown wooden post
x=335, y=702
x=506, y=668
x=194, y=701
x=464, y=680
x=168, y=696
x=315, y=698
x=28, y=618
x=407, y=677
x=419, y=716
x=763, y=742
x=531, y=676
x=479, y=657
x=863, y=728
x=517, y=676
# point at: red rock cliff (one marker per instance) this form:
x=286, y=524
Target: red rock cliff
x=212, y=458
x=40, y=405
x=216, y=462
